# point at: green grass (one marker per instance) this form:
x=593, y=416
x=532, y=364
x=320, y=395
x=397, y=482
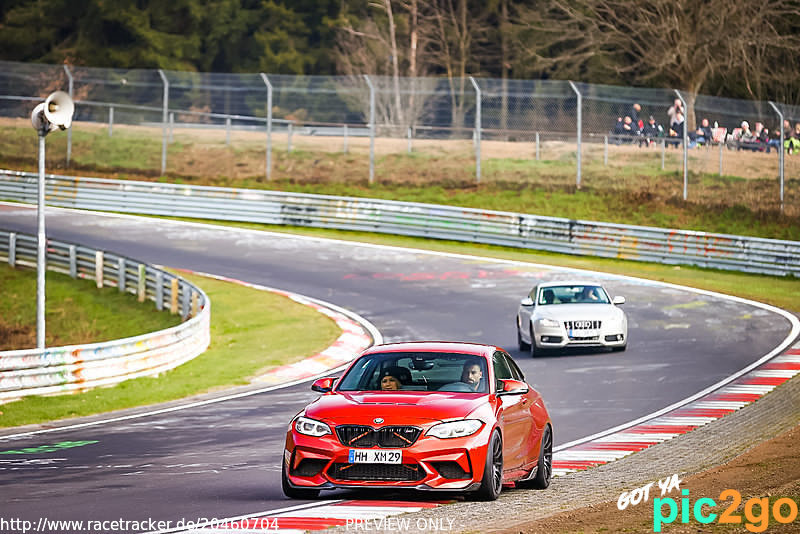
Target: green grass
x=251, y=331
x=76, y=312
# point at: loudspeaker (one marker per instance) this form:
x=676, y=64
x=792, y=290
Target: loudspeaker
x=55, y=112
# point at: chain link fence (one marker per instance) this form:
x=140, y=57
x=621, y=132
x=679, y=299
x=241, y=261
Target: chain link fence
x=569, y=126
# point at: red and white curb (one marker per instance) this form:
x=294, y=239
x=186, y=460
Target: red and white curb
x=357, y=334
x=381, y=515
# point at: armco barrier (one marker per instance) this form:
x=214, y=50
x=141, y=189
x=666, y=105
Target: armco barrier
x=78, y=367
x=750, y=254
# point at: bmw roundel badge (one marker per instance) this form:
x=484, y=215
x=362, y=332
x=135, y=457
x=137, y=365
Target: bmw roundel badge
x=378, y=420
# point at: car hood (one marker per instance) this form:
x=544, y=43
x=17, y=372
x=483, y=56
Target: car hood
x=575, y=312
x=395, y=408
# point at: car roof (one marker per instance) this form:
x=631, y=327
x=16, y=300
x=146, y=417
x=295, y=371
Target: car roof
x=476, y=349
x=570, y=283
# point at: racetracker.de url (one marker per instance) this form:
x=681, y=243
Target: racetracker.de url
x=45, y=525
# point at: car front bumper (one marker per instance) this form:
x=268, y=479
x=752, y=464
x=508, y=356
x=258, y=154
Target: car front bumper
x=455, y=464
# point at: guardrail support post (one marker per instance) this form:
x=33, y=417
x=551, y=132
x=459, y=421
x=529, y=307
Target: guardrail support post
x=685, y=146
x=73, y=261
x=371, y=129
x=121, y=274
x=98, y=268
x=69, y=130
x=185, y=301
x=478, y=128
x=12, y=249
x=173, y=296
x=269, y=125
x=165, y=108
x=580, y=129
x=141, y=289
x=780, y=148
x=159, y=291
x=194, y=304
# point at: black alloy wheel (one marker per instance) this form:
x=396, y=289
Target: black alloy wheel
x=492, y=481
x=544, y=469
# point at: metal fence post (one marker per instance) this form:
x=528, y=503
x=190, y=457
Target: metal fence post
x=780, y=148
x=111, y=121
x=171, y=137
x=408, y=134
x=12, y=249
x=269, y=125
x=344, y=142
x=722, y=144
x=537, y=146
x=73, y=261
x=663, y=153
x=69, y=130
x=685, y=147
x=164, y=111
x=227, y=131
x=580, y=129
x=289, y=139
x=371, y=129
x=121, y=275
x=477, y=130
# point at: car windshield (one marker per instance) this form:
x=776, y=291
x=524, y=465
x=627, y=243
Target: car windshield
x=573, y=294
x=417, y=371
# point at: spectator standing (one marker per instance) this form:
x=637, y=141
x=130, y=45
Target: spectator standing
x=792, y=139
x=673, y=111
x=636, y=108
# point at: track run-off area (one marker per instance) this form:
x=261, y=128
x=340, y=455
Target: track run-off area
x=693, y=356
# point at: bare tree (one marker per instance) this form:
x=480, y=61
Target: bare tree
x=680, y=43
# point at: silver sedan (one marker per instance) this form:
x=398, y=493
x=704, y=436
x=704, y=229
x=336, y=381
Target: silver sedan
x=557, y=315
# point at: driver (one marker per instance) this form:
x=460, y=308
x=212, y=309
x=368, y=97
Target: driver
x=589, y=294
x=471, y=375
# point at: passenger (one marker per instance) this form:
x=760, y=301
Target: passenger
x=390, y=383
x=472, y=375
x=548, y=296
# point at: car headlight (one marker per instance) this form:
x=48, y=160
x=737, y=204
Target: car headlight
x=311, y=427
x=551, y=323
x=455, y=429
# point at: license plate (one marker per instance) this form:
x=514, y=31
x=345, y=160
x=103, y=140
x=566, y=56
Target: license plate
x=374, y=456
x=583, y=333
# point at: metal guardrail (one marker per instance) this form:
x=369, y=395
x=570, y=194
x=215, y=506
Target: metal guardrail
x=721, y=251
x=79, y=367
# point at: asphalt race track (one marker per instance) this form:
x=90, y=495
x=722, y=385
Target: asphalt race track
x=223, y=459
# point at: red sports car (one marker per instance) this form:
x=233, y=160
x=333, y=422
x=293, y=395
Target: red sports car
x=424, y=415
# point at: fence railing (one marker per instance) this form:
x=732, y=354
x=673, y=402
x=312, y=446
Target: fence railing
x=79, y=367
x=487, y=112
x=749, y=254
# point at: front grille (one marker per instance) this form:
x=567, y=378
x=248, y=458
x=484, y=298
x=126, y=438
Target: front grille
x=450, y=470
x=391, y=437
x=309, y=467
x=582, y=325
x=391, y=472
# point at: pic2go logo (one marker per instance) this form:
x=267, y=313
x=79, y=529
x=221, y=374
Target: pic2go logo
x=756, y=511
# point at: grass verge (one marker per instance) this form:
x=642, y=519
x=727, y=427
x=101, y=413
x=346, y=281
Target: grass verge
x=251, y=331
x=76, y=312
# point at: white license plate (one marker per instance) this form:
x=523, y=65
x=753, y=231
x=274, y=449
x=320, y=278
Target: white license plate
x=583, y=333
x=375, y=456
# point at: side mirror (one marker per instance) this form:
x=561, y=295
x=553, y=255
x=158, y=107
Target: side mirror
x=618, y=300
x=511, y=387
x=324, y=385
x=527, y=301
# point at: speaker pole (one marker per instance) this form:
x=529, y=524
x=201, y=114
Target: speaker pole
x=54, y=113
